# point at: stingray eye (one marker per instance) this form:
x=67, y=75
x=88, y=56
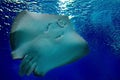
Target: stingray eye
x=61, y=23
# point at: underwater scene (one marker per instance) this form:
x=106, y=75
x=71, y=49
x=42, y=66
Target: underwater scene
x=83, y=34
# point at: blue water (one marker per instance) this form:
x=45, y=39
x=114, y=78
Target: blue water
x=97, y=21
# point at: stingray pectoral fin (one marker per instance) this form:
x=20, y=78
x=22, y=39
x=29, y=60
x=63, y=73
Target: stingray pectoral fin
x=17, y=21
x=16, y=55
x=82, y=45
x=18, y=35
x=20, y=52
x=80, y=48
x=76, y=44
x=70, y=49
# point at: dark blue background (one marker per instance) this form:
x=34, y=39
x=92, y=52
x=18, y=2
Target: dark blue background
x=100, y=27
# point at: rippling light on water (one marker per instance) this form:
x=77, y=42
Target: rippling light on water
x=67, y=0
x=16, y=1
x=64, y=3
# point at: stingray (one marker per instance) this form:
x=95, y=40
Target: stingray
x=44, y=42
